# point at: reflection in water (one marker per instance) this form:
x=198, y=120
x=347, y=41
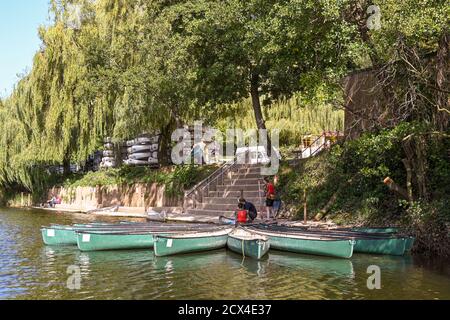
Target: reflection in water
x=30, y=270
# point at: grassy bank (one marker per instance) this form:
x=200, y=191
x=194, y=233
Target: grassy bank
x=346, y=185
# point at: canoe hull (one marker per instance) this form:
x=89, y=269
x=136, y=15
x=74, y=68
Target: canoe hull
x=409, y=243
x=171, y=246
x=255, y=248
x=330, y=248
x=103, y=242
x=388, y=246
x=376, y=230
x=59, y=237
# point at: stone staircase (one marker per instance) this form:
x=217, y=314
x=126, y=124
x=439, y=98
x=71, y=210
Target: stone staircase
x=223, y=200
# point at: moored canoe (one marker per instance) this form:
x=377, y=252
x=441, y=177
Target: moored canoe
x=309, y=244
x=409, y=243
x=166, y=245
x=248, y=243
x=59, y=237
x=389, y=246
x=67, y=235
x=364, y=243
x=376, y=230
x=99, y=241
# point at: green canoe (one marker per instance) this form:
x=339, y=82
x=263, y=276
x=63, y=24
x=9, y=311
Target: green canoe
x=409, y=243
x=373, y=243
x=67, y=235
x=248, y=243
x=59, y=236
x=389, y=246
x=309, y=244
x=101, y=241
x=167, y=245
x=376, y=230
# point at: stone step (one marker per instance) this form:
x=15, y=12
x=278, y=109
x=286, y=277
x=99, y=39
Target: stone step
x=253, y=187
x=214, y=213
x=231, y=200
x=249, y=170
x=243, y=182
x=234, y=194
x=246, y=176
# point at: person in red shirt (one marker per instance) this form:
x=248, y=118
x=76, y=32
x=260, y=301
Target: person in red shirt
x=270, y=197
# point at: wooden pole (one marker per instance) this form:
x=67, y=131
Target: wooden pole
x=305, y=207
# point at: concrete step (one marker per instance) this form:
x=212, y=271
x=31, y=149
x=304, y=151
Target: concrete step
x=224, y=207
x=214, y=213
x=249, y=170
x=234, y=194
x=231, y=200
x=253, y=187
x=243, y=182
x=246, y=176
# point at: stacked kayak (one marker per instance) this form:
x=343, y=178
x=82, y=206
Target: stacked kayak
x=143, y=151
x=108, y=160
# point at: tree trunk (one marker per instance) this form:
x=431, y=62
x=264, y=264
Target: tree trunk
x=164, y=143
x=260, y=122
x=409, y=189
x=66, y=165
x=256, y=103
x=443, y=114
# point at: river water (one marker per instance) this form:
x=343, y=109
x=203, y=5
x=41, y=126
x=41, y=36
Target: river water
x=31, y=270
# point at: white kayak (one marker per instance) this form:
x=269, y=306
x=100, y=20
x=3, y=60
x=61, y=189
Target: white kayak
x=143, y=140
x=135, y=162
x=144, y=147
x=140, y=156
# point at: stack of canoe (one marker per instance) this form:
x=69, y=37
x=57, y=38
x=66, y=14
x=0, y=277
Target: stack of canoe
x=108, y=160
x=143, y=151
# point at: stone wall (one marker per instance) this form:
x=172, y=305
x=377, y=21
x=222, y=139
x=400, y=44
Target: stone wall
x=137, y=196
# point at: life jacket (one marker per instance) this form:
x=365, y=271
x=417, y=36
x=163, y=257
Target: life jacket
x=242, y=216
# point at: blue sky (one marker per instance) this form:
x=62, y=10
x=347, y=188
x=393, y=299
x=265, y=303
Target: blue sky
x=19, y=41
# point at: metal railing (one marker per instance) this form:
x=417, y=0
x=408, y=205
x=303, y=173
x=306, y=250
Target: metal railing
x=196, y=194
x=321, y=143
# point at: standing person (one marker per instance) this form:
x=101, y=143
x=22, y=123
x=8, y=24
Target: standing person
x=270, y=197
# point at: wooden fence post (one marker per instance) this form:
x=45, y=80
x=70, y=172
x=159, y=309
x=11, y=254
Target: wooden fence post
x=305, y=207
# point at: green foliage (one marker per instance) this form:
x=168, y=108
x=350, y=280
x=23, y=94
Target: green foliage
x=356, y=170
x=295, y=118
x=428, y=223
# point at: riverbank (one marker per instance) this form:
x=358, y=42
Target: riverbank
x=345, y=185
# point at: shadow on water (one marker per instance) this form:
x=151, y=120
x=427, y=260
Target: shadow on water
x=30, y=270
